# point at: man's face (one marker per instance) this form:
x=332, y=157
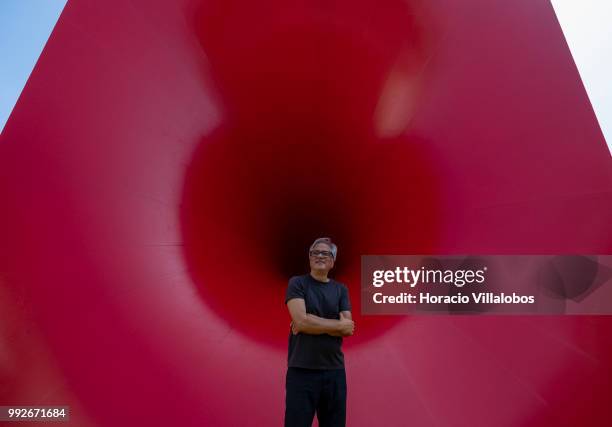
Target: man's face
x=321, y=259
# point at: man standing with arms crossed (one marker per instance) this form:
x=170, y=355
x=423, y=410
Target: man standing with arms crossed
x=321, y=315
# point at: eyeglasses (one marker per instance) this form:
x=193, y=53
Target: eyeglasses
x=324, y=254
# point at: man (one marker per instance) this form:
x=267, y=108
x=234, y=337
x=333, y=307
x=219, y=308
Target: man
x=321, y=315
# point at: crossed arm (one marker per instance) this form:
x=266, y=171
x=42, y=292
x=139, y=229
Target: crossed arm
x=315, y=325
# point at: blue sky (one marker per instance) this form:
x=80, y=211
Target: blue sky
x=25, y=26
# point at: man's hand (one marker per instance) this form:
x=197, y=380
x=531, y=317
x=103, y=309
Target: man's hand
x=346, y=326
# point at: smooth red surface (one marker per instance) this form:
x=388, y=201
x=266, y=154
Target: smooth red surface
x=169, y=161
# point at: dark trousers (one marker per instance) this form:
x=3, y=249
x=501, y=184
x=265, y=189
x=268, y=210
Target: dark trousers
x=315, y=390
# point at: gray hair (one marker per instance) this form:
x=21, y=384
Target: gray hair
x=328, y=242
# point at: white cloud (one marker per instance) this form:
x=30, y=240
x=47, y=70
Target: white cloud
x=587, y=26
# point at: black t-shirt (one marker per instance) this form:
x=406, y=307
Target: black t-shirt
x=325, y=300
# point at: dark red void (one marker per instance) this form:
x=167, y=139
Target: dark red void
x=304, y=152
